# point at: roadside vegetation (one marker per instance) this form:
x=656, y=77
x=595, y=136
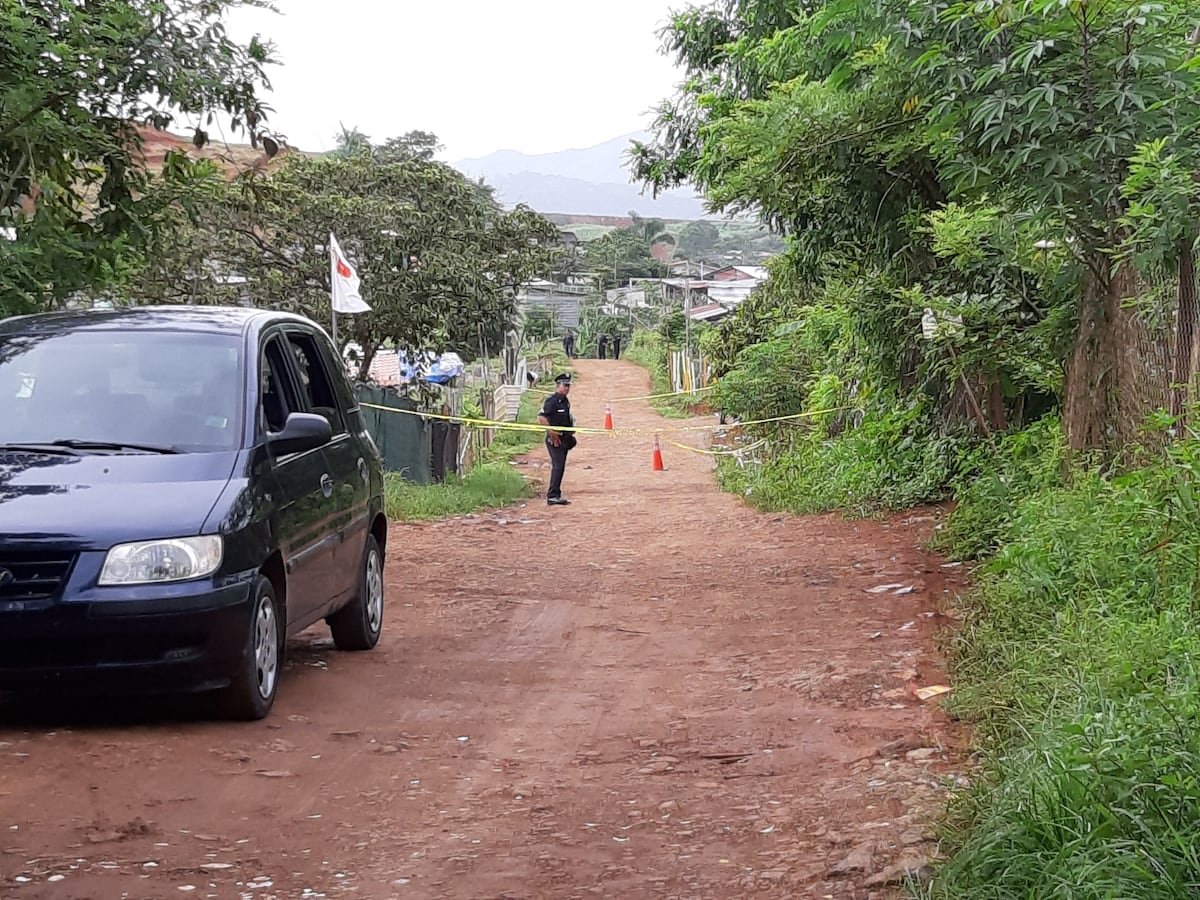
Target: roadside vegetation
x=650, y=350
x=988, y=297
x=487, y=486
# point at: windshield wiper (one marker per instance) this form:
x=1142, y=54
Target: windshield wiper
x=49, y=449
x=111, y=445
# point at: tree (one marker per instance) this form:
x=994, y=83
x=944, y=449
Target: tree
x=802, y=118
x=76, y=82
x=414, y=145
x=1051, y=101
x=439, y=265
x=846, y=124
x=622, y=254
x=351, y=142
x=698, y=238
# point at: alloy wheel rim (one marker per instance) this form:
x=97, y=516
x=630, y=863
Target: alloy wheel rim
x=374, y=591
x=266, y=647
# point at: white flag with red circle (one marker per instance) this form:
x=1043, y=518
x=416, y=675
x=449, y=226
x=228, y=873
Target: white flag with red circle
x=344, y=282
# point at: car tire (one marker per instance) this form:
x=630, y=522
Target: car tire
x=251, y=694
x=358, y=624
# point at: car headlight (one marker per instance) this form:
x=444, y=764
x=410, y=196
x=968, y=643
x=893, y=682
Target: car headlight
x=161, y=562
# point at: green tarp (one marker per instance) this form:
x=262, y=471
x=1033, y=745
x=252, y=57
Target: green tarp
x=405, y=441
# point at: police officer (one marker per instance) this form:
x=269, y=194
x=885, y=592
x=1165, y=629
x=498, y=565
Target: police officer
x=556, y=413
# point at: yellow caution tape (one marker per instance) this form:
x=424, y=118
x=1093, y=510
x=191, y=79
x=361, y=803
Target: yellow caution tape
x=732, y=452
x=663, y=396
x=484, y=423
x=645, y=397
x=530, y=426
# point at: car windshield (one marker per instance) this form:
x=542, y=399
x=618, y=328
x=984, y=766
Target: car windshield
x=121, y=390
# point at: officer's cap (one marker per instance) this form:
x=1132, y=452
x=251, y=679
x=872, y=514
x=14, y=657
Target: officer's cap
x=564, y=378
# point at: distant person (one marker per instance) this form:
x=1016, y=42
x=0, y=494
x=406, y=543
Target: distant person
x=616, y=346
x=556, y=413
x=569, y=345
x=603, y=346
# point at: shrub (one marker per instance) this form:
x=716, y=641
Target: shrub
x=894, y=459
x=993, y=482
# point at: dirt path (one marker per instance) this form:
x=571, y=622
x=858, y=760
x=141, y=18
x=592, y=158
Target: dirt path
x=654, y=692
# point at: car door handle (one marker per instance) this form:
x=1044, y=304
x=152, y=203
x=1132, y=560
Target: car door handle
x=326, y=485
x=363, y=473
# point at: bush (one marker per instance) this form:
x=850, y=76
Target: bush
x=769, y=380
x=893, y=460
x=994, y=482
x=1102, y=802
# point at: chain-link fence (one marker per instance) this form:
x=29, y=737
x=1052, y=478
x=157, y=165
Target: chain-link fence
x=1160, y=352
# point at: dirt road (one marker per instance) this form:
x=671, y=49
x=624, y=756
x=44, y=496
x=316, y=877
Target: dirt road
x=654, y=692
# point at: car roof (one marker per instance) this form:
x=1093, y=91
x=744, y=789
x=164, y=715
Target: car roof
x=202, y=319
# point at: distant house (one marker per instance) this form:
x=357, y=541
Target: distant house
x=710, y=312
x=619, y=300
x=716, y=293
x=562, y=301
x=739, y=273
x=689, y=292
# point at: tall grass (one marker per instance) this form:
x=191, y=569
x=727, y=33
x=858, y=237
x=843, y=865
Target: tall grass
x=1077, y=664
x=487, y=486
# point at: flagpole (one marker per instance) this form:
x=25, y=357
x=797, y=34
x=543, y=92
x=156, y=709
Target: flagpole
x=343, y=289
x=333, y=293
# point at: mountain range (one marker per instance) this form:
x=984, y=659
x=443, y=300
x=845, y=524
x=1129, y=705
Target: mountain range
x=592, y=181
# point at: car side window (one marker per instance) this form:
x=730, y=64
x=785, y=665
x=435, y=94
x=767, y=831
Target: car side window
x=278, y=396
x=315, y=384
x=341, y=383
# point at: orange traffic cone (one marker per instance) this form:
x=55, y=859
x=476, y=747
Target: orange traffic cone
x=608, y=416
x=658, y=463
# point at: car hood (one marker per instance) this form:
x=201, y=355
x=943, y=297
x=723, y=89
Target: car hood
x=94, y=501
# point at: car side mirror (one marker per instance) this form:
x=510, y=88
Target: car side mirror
x=301, y=432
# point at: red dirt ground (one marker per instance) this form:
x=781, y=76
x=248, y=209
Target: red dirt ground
x=654, y=692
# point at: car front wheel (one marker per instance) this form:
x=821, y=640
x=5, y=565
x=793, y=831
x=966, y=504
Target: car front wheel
x=252, y=692
x=357, y=625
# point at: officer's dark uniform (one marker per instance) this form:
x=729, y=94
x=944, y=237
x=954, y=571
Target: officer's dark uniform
x=557, y=413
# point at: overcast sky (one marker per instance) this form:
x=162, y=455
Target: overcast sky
x=483, y=75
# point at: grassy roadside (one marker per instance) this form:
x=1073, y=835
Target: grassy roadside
x=1078, y=663
x=493, y=482
x=1077, y=660
x=487, y=486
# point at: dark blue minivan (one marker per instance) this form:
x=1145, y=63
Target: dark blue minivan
x=181, y=489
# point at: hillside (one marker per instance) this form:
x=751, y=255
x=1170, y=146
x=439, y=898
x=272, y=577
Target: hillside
x=590, y=181
x=231, y=158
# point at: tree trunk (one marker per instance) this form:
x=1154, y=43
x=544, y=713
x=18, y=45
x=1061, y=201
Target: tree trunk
x=368, y=357
x=1186, y=348
x=995, y=405
x=1098, y=407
